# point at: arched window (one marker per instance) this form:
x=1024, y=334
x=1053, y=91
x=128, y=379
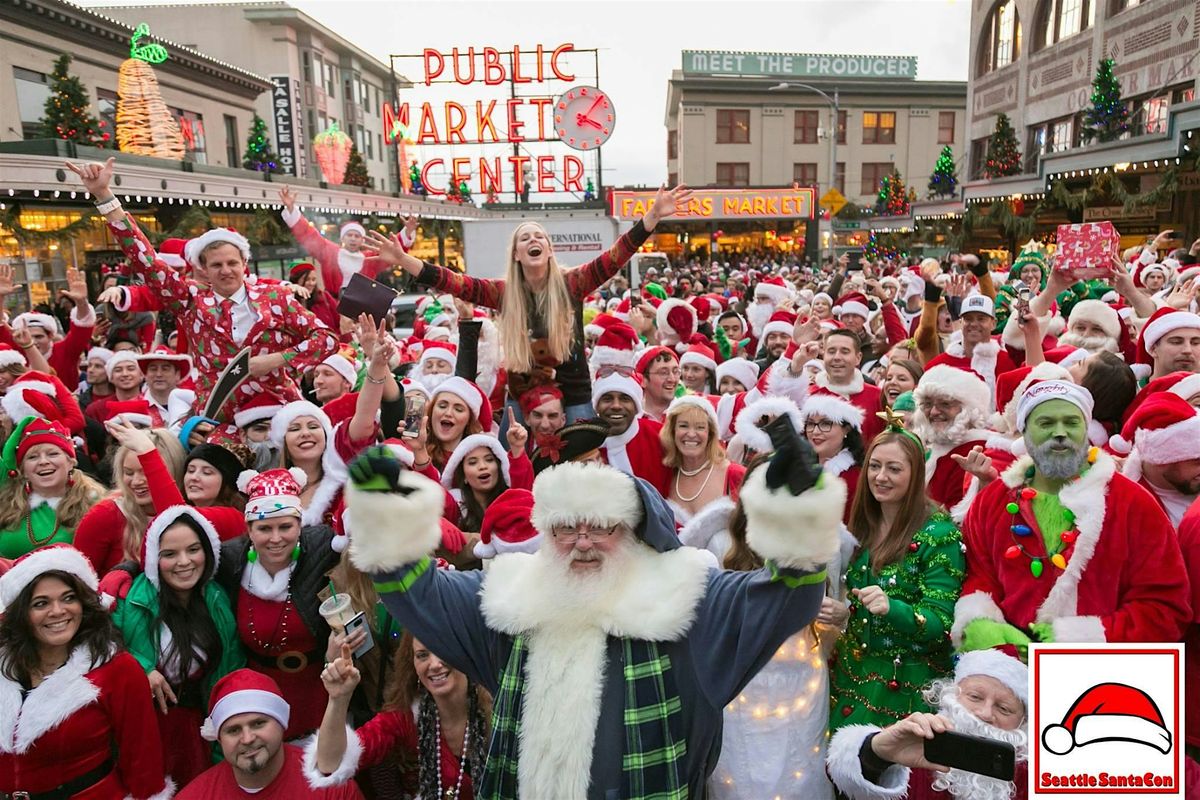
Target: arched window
x=1061, y=19
x=1001, y=43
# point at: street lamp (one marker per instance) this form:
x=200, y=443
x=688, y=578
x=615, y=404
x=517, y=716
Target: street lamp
x=833, y=104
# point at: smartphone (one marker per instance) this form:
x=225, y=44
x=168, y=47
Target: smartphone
x=413, y=412
x=359, y=620
x=972, y=754
x=855, y=260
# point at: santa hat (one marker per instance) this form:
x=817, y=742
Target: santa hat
x=831, y=407
x=506, y=526
x=43, y=431
x=1012, y=384
x=537, y=397
x=1044, y=391
x=444, y=350
x=773, y=288
x=995, y=664
x=647, y=357
x=1109, y=712
x=101, y=354
x=343, y=366
x=260, y=406
x=122, y=357
x=1144, y=271
x=194, y=247
x=914, y=282
x=334, y=469
x=470, y=394
x=695, y=401
x=409, y=385
x=244, y=691
x=1100, y=314
x=780, y=322
x=170, y=516
x=943, y=380
x=12, y=357
x=170, y=252
x=181, y=361
x=466, y=447
x=699, y=355
x=852, y=303
x=616, y=347
x=1165, y=429
x=273, y=493
x=300, y=269
x=352, y=226
x=1162, y=322
x=616, y=382
x=747, y=426
x=35, y=319
x=599, y=324
x=36, y=394
x=55, y=558
x=137, y=411
x=702, y=307
x=822, y=296
x=676, y=319
x=1065, y=355
x=742, y=370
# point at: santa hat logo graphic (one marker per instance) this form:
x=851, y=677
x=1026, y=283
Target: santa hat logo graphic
x=1109, y=712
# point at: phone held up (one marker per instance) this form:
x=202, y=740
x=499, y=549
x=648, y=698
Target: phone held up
x=414, y=410
x=972, y=754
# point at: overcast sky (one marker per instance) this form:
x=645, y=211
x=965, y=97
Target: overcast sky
x=640, y=42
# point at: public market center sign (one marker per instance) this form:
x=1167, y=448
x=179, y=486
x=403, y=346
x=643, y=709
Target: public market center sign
x=797, y=65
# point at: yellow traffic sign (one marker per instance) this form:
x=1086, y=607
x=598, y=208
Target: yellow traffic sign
x=833, y=200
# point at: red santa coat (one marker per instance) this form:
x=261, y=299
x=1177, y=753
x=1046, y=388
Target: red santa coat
x=639, y=452
x=219, y=783
x=989, y=360
x=1125, y=579
x=863, y=395
x=945, y=480
x=1189, y=545
x=68, y=726
x=65, y=353
x=283, y=325
x=337, y=264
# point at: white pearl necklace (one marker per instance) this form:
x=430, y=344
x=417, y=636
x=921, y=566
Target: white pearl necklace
x=451, y=794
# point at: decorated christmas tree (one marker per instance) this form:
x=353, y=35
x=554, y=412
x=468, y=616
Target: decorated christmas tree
x=145, y=125
x=893, y=199
x=68, y=114
x=589, y=191
x=944, y=180
x=414, y=179
x=1003, y=155
x=464, y=192
x=452, y=193
x=356, y=169
x=259, y=156
x=1108, y=118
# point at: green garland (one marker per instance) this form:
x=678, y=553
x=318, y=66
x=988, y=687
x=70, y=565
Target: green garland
x=10, y=220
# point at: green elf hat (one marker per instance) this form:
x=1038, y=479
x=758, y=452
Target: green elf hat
x=654, y=290
x=905, y=402
x=31, y=431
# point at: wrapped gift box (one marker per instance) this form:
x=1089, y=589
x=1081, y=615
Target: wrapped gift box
x=1086, y=250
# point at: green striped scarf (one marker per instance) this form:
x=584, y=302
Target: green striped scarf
x=654, y=741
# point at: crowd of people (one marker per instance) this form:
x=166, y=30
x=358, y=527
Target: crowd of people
x=746, y=529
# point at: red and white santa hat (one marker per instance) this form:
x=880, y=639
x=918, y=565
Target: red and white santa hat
x=341, y=363
x=1144, y=270
x=260, y=406
x=170, y=252
x=36, y=394
x=831, y=407
x=852, y=303
x=1100, y=314
x=676, y=319
x=194, y=247
x=963, y=385
x=780, y=322
x=699, y=355
x=698, y=402
x=995, y=664
x=409, y=385
x=121, y=357
x=12, y=357
x=273, y=493
x=742, y=370
x=506, y=526
x=352, y=226
x=36, y=319
x=1164, y=429
x=774, y=289
x=444, y=350
x=182, y=362
x=470, y=394
x=616, y=382
x=159, y=525
x=1162, y=322
x=244, y=691
x=137, y=411
x=31, y=566
x=467, y=446
x=599, y=324
x=647, y=357
x=616, y=347
x=1109, y=712
x=101, y=354
x=748, y=428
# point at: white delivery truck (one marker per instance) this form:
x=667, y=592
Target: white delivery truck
x=576, y=241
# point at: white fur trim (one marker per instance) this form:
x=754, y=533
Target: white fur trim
x=1075, y=630
x=345, y=769
x=695, y=401
x=853, y=307
x=27, y=570
x=165, y=520
x=245, y=701
x=15, y=405
x=782, y=383
x=1014, y=338
x=841, y=462
x=833, y=408
x=778, y=294
x=946, y=381
x=959, y=511
x=753, y=436
x=800, y=532
x=167, y=793
x=1098, y=313
x=741, y=370
x=344, y=367
x=55, y=700
x=995, y=664
x=1101, y=727
x=970, y=607
x=664, y=308
x=1165, y=324
x=689, y=357
x=333, y=469
x=617, y=382
x=463, y=390
x=777, y=327
x=709, y=528
x=845, y=390
x=474, y=442
x=1178, y=442
x=571, y=493
x=612, y=357
x=13, y=358
x=121, y=357
x=1186, y=387
x=243, y=418
x=194, y=247
x=391, y=529
x=36, y=319
x=845, y=767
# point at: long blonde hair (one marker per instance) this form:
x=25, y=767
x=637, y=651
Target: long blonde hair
x=136, y=519
x=553, y=306
x=82, y=493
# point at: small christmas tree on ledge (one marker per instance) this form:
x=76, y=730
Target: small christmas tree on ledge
x=68, y=114
x=356, y=169
x=1108, y=118
x=893, y=199
x=259, y=156
x=1003, y=156
x=944, y=180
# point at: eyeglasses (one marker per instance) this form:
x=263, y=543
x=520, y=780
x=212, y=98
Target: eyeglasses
x=571, y=535
x=945, y=406
x=608, y=369
x=824, y=426
x=666, y=373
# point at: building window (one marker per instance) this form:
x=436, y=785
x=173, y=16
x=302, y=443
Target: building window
x=306, y=63
x=1001, y=44
x=106, y=108
x=191, y=125
x=804, y=174
x=733, y=173
x=318, y=70
x=979, y=149
x=672, y=145
x=879, y=127
x=1061, y=19
x=805, y=127
x=840, y=179
x=33, y=88
x=231, y=142
x=1120, y=5
x=330, y=79
x=873, y=172
x=672, y=178
x=1062, y=135
x=841, y=132
x=733, y=126
x=379, y=144
x=946, y=127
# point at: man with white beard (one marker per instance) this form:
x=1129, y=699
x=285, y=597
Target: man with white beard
x=769, y=294
x=951, y=418
x=1093, y=325
x=987, y=697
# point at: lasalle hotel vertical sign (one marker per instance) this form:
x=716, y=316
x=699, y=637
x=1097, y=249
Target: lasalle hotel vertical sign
x=289, y=130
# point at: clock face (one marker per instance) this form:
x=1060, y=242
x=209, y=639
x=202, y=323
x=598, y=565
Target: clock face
x=584, y=117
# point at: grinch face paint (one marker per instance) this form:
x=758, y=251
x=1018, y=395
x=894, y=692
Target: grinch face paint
x=1056, y=438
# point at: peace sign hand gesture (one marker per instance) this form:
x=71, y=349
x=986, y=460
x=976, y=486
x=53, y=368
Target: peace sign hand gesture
x=288, y=198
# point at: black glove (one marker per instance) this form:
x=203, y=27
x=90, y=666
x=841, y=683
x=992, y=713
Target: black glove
x=378, y=469
x=794, y=461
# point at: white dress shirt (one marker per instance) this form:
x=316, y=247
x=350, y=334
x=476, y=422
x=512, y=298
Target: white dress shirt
x=244, y=315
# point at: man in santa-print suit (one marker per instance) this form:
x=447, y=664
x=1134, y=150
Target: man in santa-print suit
x=1063, y=548
x=633, y=445
x=224, y=313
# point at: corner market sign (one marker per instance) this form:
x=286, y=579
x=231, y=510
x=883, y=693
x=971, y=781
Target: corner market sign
x=724, y=204
x=797, y=65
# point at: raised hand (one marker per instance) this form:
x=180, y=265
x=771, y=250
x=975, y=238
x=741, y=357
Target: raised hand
x=387, y=248
x=112, y=295
x=806, y=330
x=340, y=676
x=516, y=435
x=410, y=224
x=978, y=464
x=288, y=198
x=904, y=742
x=7, y=286
x=873, y=599
x=667, y=203
x=368, y=334
x=23, y=337
x=1182, y=294
x=95, y=177
x=381, y=358
x=126, y=435
x=76, y=287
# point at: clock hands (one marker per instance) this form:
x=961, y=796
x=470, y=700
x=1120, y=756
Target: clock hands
x=583, y=119
x=595, y=105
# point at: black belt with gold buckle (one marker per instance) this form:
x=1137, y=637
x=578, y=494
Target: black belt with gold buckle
x=290, y=661
x=68, y=789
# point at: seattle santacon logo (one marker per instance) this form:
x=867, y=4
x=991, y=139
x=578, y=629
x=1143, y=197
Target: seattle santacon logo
x=1109, y=712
